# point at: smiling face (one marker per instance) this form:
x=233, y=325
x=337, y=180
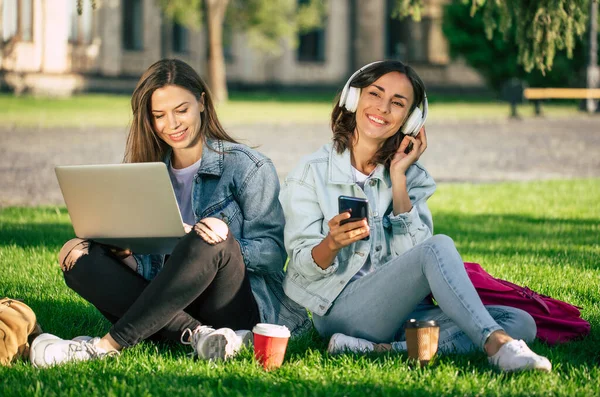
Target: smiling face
x=176, y=117
x=383, y=107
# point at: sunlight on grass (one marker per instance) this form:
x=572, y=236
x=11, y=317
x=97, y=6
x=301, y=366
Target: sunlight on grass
x=114, y=110
x=540, y=234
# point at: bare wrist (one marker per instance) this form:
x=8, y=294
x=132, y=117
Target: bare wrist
x=399, y=179
x=330, y=244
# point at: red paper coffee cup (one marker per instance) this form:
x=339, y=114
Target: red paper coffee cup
x=270, y=343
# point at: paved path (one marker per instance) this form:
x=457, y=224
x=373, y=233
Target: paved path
x=459, y=151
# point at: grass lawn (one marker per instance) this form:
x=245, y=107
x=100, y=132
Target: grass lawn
x=114, y=110
x=545, y=235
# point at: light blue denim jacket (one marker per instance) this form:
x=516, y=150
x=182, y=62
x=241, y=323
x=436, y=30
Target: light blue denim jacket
x=240, y=186
x=310, y=199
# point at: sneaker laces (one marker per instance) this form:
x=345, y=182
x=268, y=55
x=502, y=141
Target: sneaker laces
x=87, y=349
x=189, y=337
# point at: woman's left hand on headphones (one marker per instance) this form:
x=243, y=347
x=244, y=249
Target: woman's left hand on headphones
x=402, y=160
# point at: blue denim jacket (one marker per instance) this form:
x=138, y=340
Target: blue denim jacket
x=240, y=186
x=310, y=199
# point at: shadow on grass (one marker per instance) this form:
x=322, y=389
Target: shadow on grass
x=162, y=368
x=545, y=238
x=68, y=318
x=548, y=239
x=28, y=235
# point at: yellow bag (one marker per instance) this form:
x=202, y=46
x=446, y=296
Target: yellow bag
x=17, y=324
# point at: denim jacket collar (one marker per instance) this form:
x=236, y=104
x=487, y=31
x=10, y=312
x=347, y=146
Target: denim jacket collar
x=212, y=157
x=341, y=172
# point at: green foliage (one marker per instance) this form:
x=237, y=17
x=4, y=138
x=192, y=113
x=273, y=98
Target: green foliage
x=497, y=58
x=540, y=234
x=189, y=13
x=542, y=27
x=80, y=6
x=265, y=22
x=404, y=8
x=539, y=28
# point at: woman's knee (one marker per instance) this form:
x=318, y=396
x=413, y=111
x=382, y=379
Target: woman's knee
x=209, y=235
x=212, y=230
x=71, y=252
x=440, y=242
x=440, y=249
x=516, y=322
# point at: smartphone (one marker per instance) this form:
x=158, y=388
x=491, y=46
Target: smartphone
x=358, y=208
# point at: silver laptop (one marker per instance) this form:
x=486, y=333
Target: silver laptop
x=125, y=205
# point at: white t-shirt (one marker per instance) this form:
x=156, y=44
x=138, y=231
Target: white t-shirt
x=183, y=182
x=360, y=179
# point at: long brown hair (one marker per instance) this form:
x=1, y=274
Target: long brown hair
x=343, y=122
x=143, y=145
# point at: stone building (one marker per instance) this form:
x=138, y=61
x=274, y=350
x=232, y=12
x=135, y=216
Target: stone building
x=48, y=48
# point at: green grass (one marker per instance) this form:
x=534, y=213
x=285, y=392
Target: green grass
x=545, y=235
x=114, y=110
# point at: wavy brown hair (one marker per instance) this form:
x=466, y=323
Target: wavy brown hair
x=143, y=145
x=343, y=122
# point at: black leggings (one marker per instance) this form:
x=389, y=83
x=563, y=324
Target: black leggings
x=199, y=284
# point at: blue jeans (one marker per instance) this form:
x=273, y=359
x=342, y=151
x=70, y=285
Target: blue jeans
x=375, y=306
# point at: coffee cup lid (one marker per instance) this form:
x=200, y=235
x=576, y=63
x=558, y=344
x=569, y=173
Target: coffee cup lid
x=273, y=330
x=412, y=323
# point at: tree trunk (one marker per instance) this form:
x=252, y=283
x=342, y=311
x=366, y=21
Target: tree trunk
x=215, y=15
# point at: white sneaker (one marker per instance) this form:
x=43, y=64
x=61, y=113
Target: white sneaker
x=84, y=338
x=246, y=337
x=48, y=350
x=340, y=343
x=517, y=356
x=211, y=344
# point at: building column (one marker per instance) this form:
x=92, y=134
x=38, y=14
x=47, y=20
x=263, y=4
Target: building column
x=110, y=32
x=437, y=45
x=369, y=41
x=55, y=38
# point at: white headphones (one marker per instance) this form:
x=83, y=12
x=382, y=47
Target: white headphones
x=349, y=100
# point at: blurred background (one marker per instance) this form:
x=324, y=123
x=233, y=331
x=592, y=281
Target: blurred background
x=61, y=47
x=68, y=67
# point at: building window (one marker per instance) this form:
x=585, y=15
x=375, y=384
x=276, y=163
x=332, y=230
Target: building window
x=17, y=20
x=80, y=29
x=180, y=38
x=311, y=47
x=133, y=25
x=398, y=37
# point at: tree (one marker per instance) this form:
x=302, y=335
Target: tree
x=496, y=59
x=265, y=22
x=541, y=27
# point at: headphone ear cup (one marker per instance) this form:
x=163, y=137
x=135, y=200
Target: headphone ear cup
x=351, y=102
x=343, y=96
x=413, y=123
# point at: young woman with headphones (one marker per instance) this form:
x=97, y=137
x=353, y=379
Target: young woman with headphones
x=362, y=290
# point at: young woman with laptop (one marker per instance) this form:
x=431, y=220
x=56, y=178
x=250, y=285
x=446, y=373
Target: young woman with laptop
x=364, y=279
x=225, y=274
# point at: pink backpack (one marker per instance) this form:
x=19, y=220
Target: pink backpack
x=557, y=321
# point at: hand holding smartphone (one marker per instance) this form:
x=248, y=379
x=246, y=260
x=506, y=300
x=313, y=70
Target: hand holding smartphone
x=358, y=208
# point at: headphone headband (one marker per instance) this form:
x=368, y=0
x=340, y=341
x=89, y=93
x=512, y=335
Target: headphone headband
x=350, y=95
x=346, y=89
